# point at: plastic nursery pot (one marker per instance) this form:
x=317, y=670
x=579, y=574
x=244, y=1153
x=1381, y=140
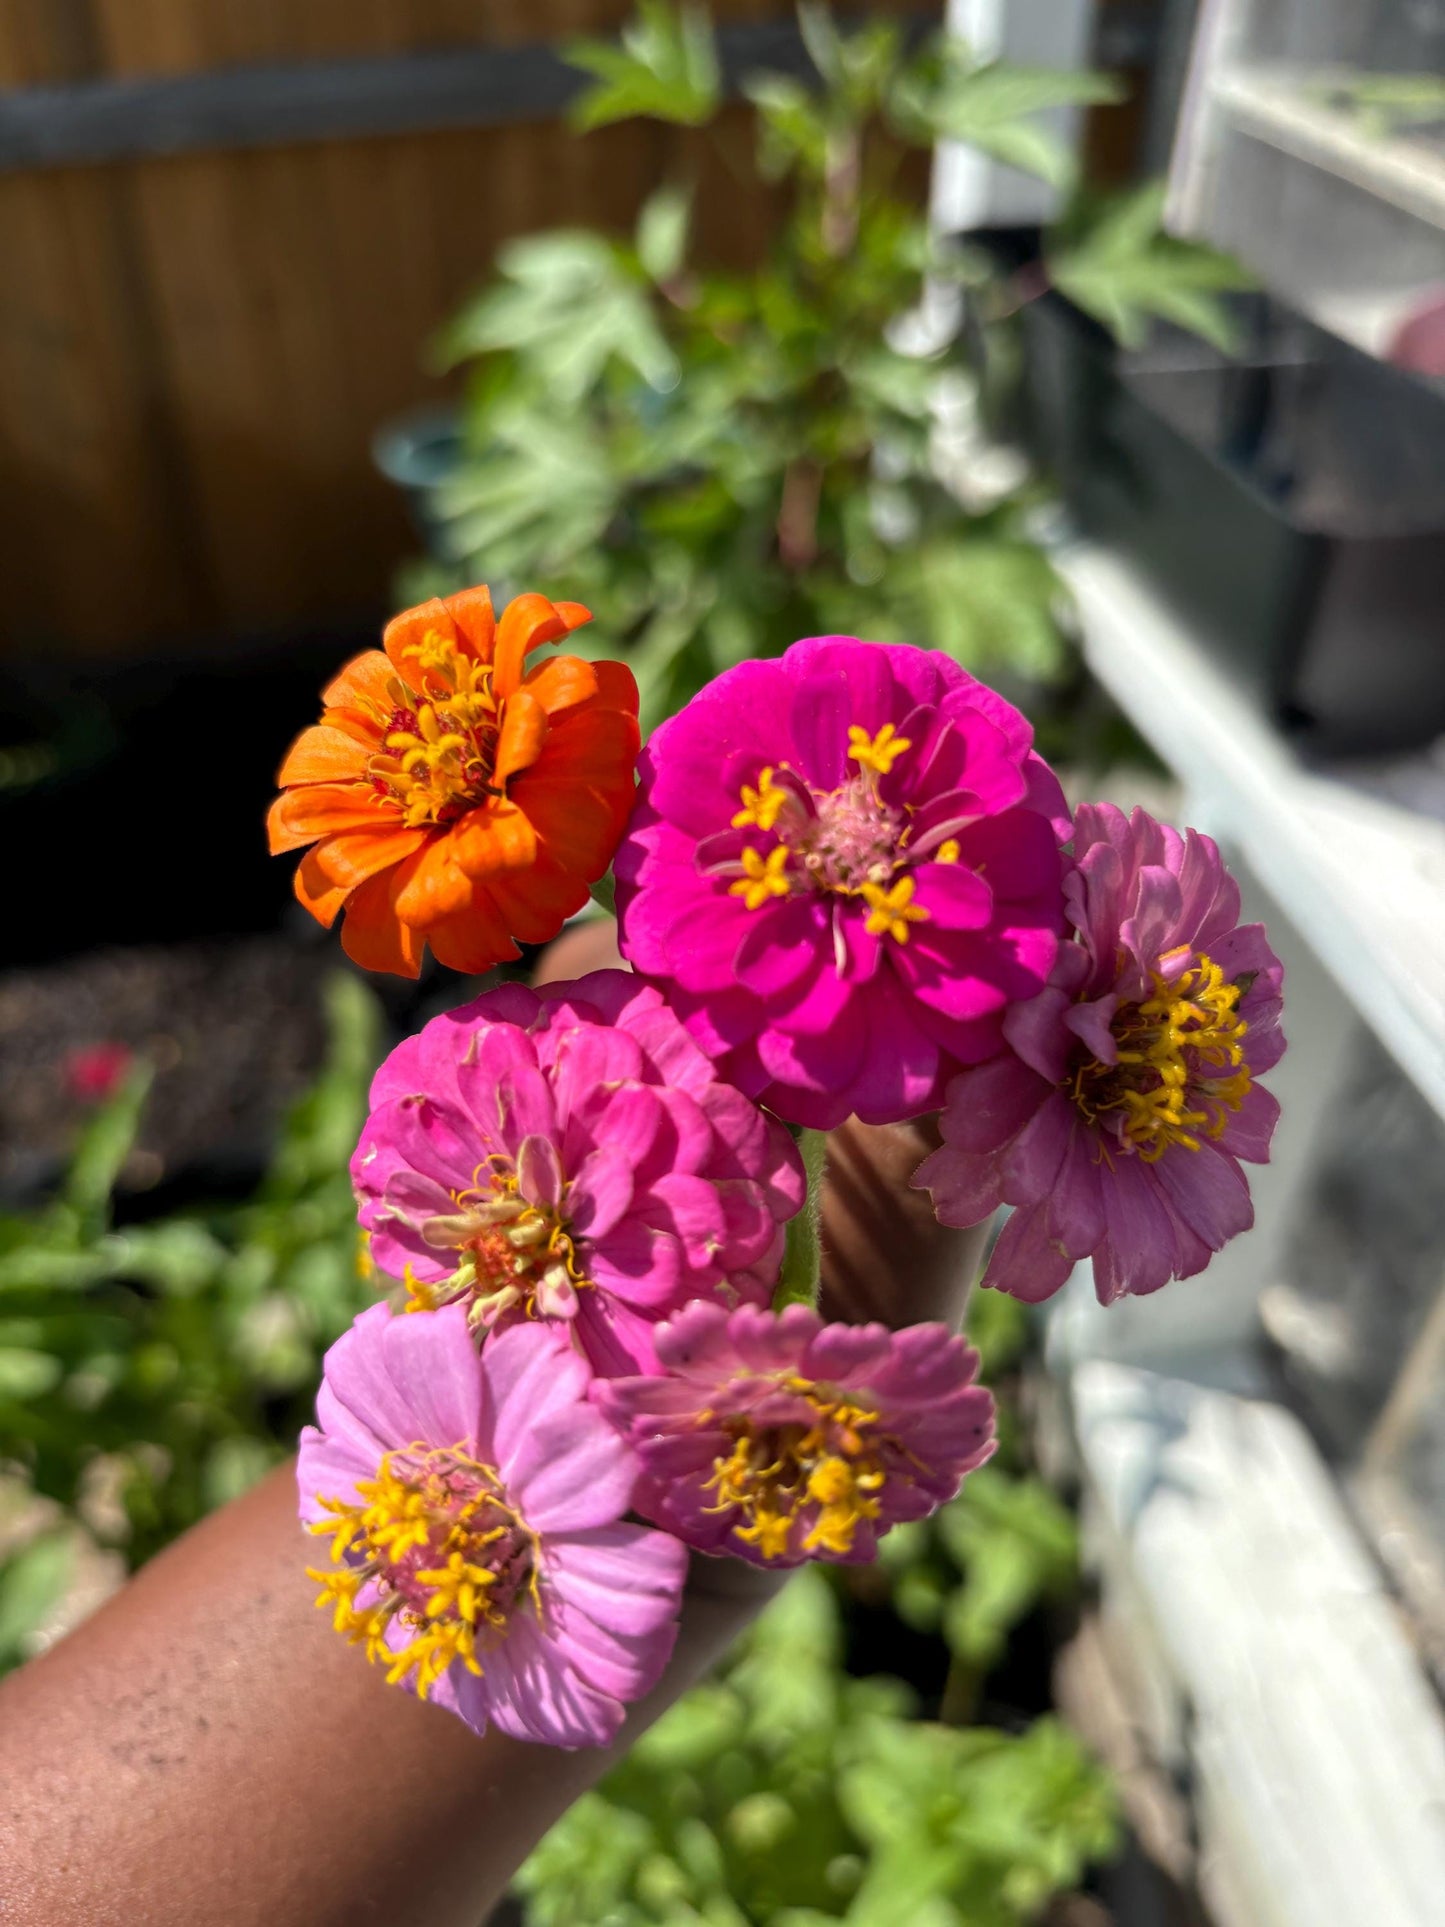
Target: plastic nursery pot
x=418, y=451
x=1289, y=499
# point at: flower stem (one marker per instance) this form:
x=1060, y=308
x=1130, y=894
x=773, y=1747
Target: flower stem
x=803, y=1253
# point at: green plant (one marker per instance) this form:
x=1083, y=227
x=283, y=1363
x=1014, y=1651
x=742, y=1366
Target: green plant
x=785, y=1793
x=719, y=462
x=147, y=1374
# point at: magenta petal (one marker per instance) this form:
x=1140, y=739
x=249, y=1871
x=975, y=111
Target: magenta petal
x=1249, y=1130
x=782, y=945
x=1038, y=1031
x=539, y=1170
x=529, y=1370
x=1138, y=1253
x=573, y=1471
x=1208, y=1191
x=601, y=1192
x=1030, y=1165
x=1029, y=1262
x=433, y=1364
x=820, y=717
x=991, y=1103
x=956, y=898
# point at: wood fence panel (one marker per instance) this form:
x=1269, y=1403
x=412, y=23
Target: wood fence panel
x=195, y=351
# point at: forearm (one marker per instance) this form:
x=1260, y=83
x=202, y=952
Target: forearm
x=206, y=1749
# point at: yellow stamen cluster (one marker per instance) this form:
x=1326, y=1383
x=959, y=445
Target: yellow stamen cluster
x=850, y=842
x=441, y=1553
x=878, y=753
x=830, y=1467
x=762, y=877
x=891, y=911
x=512, y=1254
x=1169, y=1049
x=761, y=806
x=437, y=758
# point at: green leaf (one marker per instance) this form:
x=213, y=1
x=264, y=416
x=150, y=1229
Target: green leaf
x=993, y=106
x=791, y=129
x=569, y=303
x=662, y=229
x=664, y=67
x=604, y=894
x=32, y=1583
x=1117, y=263
x=105, y=1144
x=25, y=1373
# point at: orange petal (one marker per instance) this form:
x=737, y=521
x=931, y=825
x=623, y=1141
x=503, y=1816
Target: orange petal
x=523, y=732
x=617, y=686
x=474, y=940
x=317, y=893
x=471, y=611
x=405, y=631
x=352, y=857
x=322, y=809
x=323, y=754
x=590, y=745
x=561, y=683
x=362, y=688
x=577, y=825
x=527, y=622
x=372, y=935
x=496, y=837
x=438, y=887
x=535, y=906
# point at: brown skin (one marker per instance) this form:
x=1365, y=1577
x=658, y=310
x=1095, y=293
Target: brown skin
x=205, y=1749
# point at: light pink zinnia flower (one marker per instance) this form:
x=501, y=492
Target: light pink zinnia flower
x=781, y=1439
x=475, y=1511
x=843, y=866
x=1116, y=1120
x=569, y=1153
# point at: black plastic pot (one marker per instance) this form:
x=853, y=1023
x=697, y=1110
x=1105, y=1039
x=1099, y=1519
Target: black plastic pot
x=1288, y=499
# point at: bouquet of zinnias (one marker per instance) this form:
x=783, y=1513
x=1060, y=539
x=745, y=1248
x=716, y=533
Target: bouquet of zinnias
x=847, y=886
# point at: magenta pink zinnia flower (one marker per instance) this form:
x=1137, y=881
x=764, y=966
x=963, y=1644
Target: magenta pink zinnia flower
x=569, y=1153
x=1117, y=1119
x=475, y=1511
x=843, y=866
x=781, y=1439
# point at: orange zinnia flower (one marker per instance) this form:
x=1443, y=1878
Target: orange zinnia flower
x=454, y=797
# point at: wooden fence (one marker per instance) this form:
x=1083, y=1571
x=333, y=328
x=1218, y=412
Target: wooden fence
x=201, y=328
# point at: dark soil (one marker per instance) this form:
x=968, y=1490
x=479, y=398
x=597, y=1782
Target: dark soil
x=234, y=1029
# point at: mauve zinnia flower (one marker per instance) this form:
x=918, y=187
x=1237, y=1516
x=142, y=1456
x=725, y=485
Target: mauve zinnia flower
x=454, y=797
x=569, y=1153
x=475, y=1511
x=1117, y=1119
x=843, y=866
x=782, y=1439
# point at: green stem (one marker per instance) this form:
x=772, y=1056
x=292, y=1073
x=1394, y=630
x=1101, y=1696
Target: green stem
x=803, y=1253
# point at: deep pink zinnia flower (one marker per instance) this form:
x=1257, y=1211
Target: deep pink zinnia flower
x=569, y=1153
x=782, y=1439
x=1116, y=1120
x=843, y=866
x=475, y=1511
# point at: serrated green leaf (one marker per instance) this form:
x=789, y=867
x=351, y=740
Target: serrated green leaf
x=994, y=106
x=1119, y=265
x=663, y=67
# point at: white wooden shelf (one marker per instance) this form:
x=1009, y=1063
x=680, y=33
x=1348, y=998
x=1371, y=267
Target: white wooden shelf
x=1279, y=109
x=1362, y=878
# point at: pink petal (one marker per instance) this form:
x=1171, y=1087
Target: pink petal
x=1028, y=1262
x=528, y=1371
x=601, y=1192
x=571, y=1471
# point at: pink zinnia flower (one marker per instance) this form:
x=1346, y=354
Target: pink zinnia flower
x=1117, y=1119
x=843, y=866
x=475, y=1511
x=569, y=1153
x=781, y=1439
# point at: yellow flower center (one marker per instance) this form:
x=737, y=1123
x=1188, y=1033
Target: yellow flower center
x=847, y=841
x=1180, y=1070
x=440, y=747
x=436, y=1548
x=512, y=1254
x=828, y=1467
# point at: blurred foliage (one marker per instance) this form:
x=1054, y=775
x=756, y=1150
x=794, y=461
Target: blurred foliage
x=149, y=1373
x=720, y=462
x=786, y=1792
